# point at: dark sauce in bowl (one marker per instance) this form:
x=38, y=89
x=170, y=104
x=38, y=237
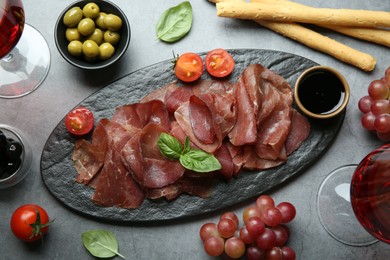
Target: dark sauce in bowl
x=321, y=92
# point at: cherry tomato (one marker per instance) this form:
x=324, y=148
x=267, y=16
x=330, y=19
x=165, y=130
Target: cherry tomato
x=219, y=63
x=29, y=222
x=189, y=67
x=79, y=121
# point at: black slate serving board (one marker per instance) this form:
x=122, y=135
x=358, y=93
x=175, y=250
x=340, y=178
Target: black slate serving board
x=59, y=174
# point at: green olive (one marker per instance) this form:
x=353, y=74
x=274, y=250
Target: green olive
x=91, y=10
x=72, y=34
x=90, y=49
x=106, y=51
x=86, y=26
x=96, y=36
x=99, y=21
x=73, y=16
x=75, y=48
x=111, y=37
x=113, y=22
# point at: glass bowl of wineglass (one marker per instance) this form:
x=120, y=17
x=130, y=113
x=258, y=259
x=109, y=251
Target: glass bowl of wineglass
x=353, y=201
x=24, y=53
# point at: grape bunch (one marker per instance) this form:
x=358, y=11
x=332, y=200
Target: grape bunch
x=263, y=235
x=10, y=156
x=376, y=107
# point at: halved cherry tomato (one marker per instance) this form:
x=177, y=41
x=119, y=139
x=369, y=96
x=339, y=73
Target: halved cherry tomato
x=79, y=121
x=219, y=63
x=189, y=67
x=29, y=222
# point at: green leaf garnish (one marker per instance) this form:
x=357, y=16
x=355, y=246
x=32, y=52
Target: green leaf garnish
x=175, y=22
x=191, y=159
x=101, y=243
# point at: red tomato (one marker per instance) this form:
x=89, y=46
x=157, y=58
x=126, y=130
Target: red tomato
x=29, y=222
x=219, y=63
x=189, y=67
x=79, y=121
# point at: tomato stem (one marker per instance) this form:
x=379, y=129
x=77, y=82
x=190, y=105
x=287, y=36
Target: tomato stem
x=37, y=226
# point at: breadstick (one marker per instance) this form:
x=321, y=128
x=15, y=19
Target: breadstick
x=304, y=14
x=374, y=35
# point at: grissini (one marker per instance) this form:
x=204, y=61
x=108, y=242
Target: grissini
x=303, y=14
x=322, y=43
x=319, y=42
x=379, y=36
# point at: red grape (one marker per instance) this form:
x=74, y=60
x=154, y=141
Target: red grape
x=365, y=104
x=288, y=253
x=232, y=216
x=281, y=234
x=214, y=246
x=274, y=253
x=234, y=247
x=378, y=89
x=272, y=217
x=264, y=201
x=255, y=253
x=384, y=136
x=226, y=227
x=255, y=226
x=251, y=211
x=368, y=120
x=245, y=236
x=266, y=240
x=287, y=210
x=381, y=106
x=208, y=230
x=382, y=123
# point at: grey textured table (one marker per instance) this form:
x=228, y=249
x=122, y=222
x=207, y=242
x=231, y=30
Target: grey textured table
x=37, y=114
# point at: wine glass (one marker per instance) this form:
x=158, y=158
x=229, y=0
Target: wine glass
x=353, y=201
x=24, y=53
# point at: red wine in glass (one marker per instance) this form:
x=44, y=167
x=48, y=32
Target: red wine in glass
x=11, y=25
x=24, y=53
x=370, y=193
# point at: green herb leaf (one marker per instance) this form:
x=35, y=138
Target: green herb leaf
x=169, y=146
x=175, y=22
x=101, y=243
x=199, y=161
x=187, y=146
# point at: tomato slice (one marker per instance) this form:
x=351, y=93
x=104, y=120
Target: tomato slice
x=219, y=63
x=189, y=67
x=79, y=121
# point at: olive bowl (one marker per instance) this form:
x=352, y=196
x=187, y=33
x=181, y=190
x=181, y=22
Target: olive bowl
x=79, y=62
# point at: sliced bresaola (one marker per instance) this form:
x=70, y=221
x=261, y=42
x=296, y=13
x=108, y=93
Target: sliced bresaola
x=177, y=97
x=196, y=121
x=89, y=157
x=115, y=187
x=144, y=160
x=160, y=93
x=136, y=116
x=300, y=130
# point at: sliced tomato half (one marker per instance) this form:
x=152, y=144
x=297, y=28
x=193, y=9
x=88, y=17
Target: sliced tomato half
x=189, y=67
x=79, y=121
x=219, y=63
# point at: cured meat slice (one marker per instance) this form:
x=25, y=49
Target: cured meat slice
x=202, y=121
x=225, y=159
x=89, y=157
x=245, y=128
x=300, y=130
x=175, y=99
x=160, y=93
x=145, y=162
x=115, y=186
x=135, y=116
x=247, y=157
x=183, y=118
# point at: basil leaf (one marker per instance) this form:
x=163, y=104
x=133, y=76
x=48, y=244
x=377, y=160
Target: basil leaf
x=199, y=161
x=101, y=243
x=169, y=146
x=187, y=146
x=175, y=22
